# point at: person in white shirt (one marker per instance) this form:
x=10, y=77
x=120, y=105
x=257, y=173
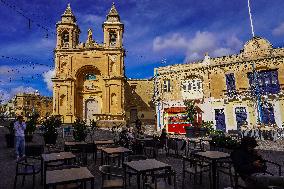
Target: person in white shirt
x=20, y=127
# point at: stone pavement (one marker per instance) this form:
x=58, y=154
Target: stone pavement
x=7, y=166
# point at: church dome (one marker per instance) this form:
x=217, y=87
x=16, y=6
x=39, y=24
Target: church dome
x=257, y=44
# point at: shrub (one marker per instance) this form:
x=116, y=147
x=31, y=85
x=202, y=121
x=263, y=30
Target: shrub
x=80, y=130
x=50, y=126
x=190, y=110
x=31, y=123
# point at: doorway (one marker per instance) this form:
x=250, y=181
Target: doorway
x=241, y=116
x=133, y=115
x=91, y=108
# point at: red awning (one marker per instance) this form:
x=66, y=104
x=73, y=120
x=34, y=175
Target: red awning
x=175, y=109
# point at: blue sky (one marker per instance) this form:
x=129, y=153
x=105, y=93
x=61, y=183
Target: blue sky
x=157, y=33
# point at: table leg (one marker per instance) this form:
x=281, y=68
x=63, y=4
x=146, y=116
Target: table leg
x=92, y=183
x=214, y=174
x=124, y=179
x=101, y=157
x=44, y=173
x=138, y=180
x=41, y=172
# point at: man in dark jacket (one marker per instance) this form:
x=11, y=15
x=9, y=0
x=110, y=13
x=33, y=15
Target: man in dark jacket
x=251, y=166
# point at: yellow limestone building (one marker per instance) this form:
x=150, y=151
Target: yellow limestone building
x=224, y=88
x=89, y=80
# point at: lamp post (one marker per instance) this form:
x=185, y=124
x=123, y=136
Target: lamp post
x=257, y=94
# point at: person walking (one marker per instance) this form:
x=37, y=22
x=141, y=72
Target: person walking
x=20, y=127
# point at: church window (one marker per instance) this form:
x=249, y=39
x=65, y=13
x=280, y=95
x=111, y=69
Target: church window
x=91, y=77
x=112, y=38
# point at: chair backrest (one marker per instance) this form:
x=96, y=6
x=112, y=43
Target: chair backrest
x=34, y=150
x=168, y=175
x=111, y=170
x=136, y=157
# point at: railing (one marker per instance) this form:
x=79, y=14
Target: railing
x=107, y=117
x=238, y=94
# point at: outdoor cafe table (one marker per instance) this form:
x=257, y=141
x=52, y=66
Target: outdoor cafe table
x=103, y=142
x=53, y=157
x=110, y=151
x=69, y=144
x=67, y=176
x=143, y=166
x=213, y=156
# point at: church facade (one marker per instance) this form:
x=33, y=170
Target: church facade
x=90, y=81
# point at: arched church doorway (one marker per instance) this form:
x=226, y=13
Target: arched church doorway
x=88, y=92
x=91, y=107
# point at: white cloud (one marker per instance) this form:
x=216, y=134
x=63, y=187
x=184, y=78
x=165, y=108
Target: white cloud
x=195, y=47
x=222, y=52
x=22, y=89
x=279, y=30
x=47, y=78
x=176, y=41
x=5, y=95
x=202, y=41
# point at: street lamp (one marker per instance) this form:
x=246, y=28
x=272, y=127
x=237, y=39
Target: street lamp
x=257, y=93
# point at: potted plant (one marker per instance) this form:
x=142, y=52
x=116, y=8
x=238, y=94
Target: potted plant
x=10, y=137
x=50, y=126
x=224, y=143
x=190, y=112
x=31, y=127
x=206, y=128
x=80, y=130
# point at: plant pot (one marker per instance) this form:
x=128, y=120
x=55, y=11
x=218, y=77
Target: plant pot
x=28, y=138
x=190, y=132
x=50, y=138
x=10, y=140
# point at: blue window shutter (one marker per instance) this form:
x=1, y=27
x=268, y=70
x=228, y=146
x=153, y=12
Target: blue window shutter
x=230, y=82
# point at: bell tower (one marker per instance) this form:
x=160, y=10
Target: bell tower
x=113, y=29
x=67, y=31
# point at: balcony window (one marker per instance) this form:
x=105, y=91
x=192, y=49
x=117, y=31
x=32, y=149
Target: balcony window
x=167, y=86
x=192, y=88
x=267, y=82
x=231, y=84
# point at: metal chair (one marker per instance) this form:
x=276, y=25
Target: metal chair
x=226, y=168
x=112, y=177
x=195, y=167
x=161, y=180
x=26, y=167
x=131, y=173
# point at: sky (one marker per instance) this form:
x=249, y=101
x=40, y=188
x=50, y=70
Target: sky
x=157, y=33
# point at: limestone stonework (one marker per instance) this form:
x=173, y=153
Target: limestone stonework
x=26, y=104
x=209, y=85
x=90, y=82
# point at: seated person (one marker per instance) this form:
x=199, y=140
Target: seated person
x=163, y=138
x=251, y=166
